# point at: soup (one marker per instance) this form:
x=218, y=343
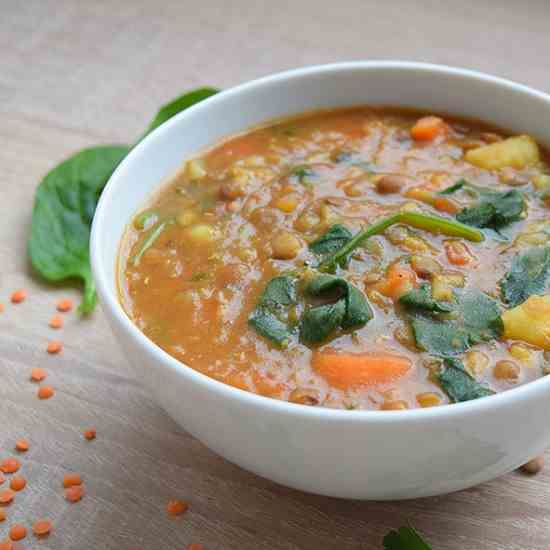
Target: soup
x=365, y=258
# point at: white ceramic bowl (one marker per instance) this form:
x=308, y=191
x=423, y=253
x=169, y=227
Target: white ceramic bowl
x=352, y=454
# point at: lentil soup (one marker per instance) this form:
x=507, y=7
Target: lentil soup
x=357, y=258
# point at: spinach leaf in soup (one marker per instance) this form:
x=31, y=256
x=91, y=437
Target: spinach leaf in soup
x=475, y=318
x=529, y=274
x=348, y=309
x=421, y=299
x=270, y=316
x=458, y=383
x=65, y=203
x=63, y=210
x=331, y=241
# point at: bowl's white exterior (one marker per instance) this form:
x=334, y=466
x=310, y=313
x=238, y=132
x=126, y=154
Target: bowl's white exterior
x=352, y=454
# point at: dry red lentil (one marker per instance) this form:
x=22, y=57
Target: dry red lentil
x=71, y=480
x=6, y=545
x=90, y=434
x=176, y=507
x=64, y=305
x=195, y=546
x=18, y=296
x=74, y=493
x=18, y=532
x=38, y=374
x=2, y=478
x=2, y=514
x=22, y=445
x=56, y=322
x=45, y=392
x=42, y=527
x=10, y=465
x=6, y=496
x=55, y=346
x=18, y=483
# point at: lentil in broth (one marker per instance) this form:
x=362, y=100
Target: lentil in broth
x=248, y=210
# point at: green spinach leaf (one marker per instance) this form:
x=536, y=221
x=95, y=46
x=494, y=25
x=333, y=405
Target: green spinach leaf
x=528, y=275
x=65, y=203
x=334, y=239
x=270, y=316
x=458, y=383
x=305, y=175
x=421, y=299
x=349, y=310
x=62, y=215
x=405, y=538
x=476, y=318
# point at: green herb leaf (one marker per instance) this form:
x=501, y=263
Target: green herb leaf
x=65, y=203
x=458, y=383
x=154, y=234
x=350, y=310
x=178, y=105
x=476, y=318
x=305, y=175
x=334, y=239
x=421, y=299
x=528, y=275
x=269, y=316
x=427, y=222
x=62, y=215
x=404, y=538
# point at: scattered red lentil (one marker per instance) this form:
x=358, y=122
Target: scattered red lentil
x=90, y=434
x=55, y=346
x=2, y=514
x=6, y=496
x=176, y=507
x=38, y=374
x=18, y=532
x=1, y=308
x=64, y=305
x=10, y=465
x=19, y=296
x=42, y=527
x=74, y=493
x=195, y=546
x=71, y=480
x=56, y=321
x=2, y=477
x=6, y=545
x=18, y=483
x=45, y=392
x=22, y=445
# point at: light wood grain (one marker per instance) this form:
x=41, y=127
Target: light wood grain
x=75, y=73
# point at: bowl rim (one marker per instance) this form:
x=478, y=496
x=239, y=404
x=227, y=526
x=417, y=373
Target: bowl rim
x=111, y=301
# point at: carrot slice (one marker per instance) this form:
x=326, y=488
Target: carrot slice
x=399, y=280
x=348, y=370
x=428, y=128
x=457, y=253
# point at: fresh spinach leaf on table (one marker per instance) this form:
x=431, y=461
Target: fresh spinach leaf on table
x=475, y=318
x=270, y=316
x=347, y=310
x=65, y=203
x=529, y=274
x=404, y=538
x=458, y=383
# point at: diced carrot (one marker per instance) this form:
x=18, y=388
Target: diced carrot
x=176, y=507
x=428, y=128
x=55, y=346
x=18, y=296
x=45, y=392
x=22, y=445
x=70, y=480
x=458, y=253
x=10, y=465
x=56, y=322
x=64, y=305
x=18, y=532
x=42, y=527
x=18, y=483
x=38, y=374
x=348, y=370
x=90, y=434
x=399, y=279
x=444, y=204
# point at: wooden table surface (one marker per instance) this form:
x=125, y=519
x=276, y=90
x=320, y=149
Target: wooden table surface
x=77, y=73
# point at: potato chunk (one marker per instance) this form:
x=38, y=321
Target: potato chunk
x=516, y=152
x=529, y=322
